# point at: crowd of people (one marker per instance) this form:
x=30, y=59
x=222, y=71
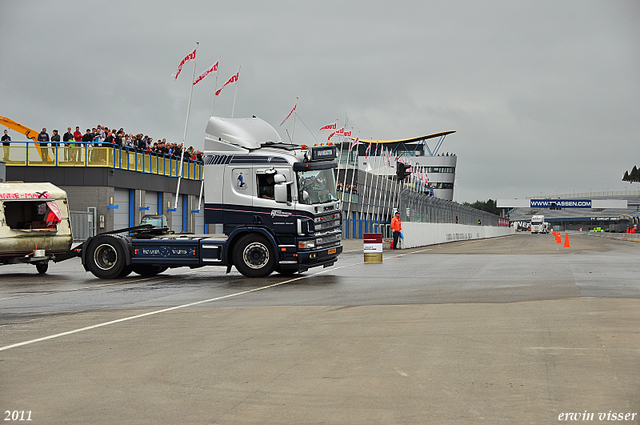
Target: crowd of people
x=346, y=188
x=102, y=136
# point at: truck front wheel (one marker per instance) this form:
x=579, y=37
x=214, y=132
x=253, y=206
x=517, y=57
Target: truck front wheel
x=253, y=256
x=106, y=257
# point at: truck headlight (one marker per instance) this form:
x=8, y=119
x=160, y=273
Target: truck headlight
x=307, y=244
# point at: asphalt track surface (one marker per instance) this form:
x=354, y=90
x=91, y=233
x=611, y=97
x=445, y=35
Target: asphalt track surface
x=513, y=330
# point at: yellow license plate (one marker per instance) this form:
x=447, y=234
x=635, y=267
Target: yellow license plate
x=332, y=251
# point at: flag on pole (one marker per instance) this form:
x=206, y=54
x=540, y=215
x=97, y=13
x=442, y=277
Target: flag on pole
x=294, y=108
x=190, y=57
x=355, y=142
x=347, y=133
x=329, y=127
x=366, y=153
x=232, y=80
x=340, y=132
x=213, y=68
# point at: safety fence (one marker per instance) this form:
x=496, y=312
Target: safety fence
x=92, y=155
x=371, y=210
x=420, y=208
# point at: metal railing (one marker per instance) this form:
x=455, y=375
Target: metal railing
x=371, y=210
x=90, y=155
x=420, y=208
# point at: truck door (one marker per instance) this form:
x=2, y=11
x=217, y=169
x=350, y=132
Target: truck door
x=277, y=216
x=238, y=195
x=264, y=178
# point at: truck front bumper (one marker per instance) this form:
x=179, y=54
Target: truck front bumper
x=304, y=260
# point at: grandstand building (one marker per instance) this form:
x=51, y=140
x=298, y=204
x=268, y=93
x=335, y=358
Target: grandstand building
x=432, y=172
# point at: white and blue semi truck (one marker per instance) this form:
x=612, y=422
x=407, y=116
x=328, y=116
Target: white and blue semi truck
x=276, y=203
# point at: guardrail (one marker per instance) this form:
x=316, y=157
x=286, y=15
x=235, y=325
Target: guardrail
x=27, y=154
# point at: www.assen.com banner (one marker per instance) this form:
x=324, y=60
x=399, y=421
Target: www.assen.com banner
x=557, y=203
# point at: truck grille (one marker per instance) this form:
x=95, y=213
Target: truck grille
x=327, y=230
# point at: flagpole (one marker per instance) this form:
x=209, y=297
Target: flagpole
x=293, y=131
x=235, y=94
x=374, y=186
x=379, y=207
x=200, y=198
x=344, y=184
x=394, y=190
x=376, y=190
x=215, y=87
x=186, y=126
x=367, y=188
x=353, y=173
x=386, y=182
x=371, y=187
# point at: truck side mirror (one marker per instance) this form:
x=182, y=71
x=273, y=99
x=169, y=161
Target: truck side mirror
x=279, y=178
x=280, y=193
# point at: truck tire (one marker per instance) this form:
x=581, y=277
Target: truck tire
x=106, y=257
x=254, y=256
x=42, y=267
x=126, y=271
x=146, y=270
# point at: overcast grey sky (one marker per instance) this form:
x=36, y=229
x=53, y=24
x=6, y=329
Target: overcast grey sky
x=544, y=95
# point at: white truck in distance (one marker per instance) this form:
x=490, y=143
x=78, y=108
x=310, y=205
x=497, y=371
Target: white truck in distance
x=538, y=225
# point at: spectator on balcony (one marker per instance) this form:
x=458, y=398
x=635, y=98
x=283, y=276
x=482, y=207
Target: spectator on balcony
x=67, y=138
x=6, y=142
x=55, y=139
x=75, y=152
x=44, y=137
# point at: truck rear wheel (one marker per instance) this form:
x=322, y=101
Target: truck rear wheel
x=106, y=257
x=254, y=256
x=145, y=270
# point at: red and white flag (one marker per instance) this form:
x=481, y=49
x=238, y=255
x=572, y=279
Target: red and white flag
x=331, y=135
x=190, y=57
x=214, y=68
x=329, y=126
x=340, y=132
x=355, y=142
x=347, y=133
x=232, y=80
x=294, y=108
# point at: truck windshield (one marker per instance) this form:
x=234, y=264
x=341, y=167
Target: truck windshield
x=316, y=186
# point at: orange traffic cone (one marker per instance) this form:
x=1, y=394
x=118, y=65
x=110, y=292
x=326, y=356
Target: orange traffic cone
x=566, y=240
x=558, y=238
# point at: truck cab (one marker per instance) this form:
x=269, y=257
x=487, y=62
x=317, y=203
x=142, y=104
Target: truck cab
x=276, y=201
x=538, y=225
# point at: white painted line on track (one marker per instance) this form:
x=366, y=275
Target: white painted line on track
x=164, y=310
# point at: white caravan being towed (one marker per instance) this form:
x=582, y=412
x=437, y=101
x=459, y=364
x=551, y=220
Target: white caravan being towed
x=34, y=223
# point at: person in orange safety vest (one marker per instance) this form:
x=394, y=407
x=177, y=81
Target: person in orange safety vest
x=396, y=226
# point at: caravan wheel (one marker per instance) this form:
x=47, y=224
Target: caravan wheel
x=42, y=267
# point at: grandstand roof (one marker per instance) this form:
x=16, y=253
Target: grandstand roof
x=410, y=140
